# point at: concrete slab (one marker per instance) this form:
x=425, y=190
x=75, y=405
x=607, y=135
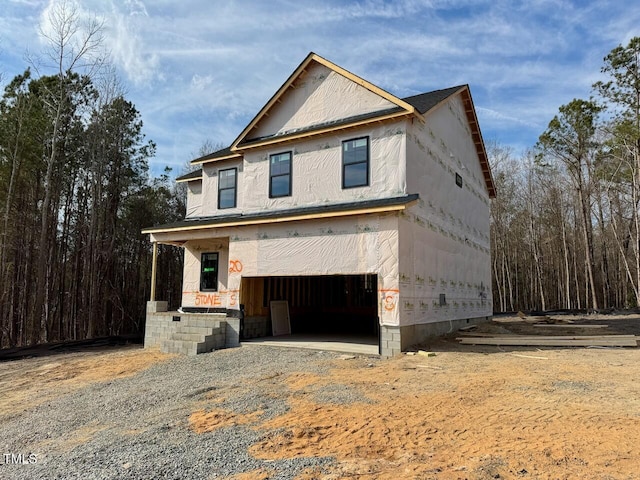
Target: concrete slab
x=332, y=343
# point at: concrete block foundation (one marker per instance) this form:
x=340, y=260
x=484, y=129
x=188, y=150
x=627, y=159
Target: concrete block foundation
x=395, y=339
x=189, y=333
x=255, y=327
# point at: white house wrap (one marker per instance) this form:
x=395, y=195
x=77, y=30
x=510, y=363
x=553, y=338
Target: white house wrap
x=407, y=247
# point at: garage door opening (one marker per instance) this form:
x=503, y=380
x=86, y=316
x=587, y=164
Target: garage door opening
x=323, y=306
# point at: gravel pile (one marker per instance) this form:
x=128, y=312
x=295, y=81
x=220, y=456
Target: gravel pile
x=137, y=427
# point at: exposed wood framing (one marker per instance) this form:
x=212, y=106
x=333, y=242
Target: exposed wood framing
x=152, y=296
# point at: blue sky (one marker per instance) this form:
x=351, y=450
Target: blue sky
x=201, y=69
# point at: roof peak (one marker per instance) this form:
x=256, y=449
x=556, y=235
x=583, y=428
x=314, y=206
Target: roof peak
x=297, y=73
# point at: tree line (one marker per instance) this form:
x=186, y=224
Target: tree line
x=75, y=192
x=565, y=228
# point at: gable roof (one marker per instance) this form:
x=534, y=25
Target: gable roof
x=419, y=105
x=403, y=107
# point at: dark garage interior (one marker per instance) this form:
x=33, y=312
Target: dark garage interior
x=327, y=304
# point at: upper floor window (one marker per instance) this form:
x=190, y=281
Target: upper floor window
x=280, y=175
x=355, y=162
x=227, y=186
x=209, y=272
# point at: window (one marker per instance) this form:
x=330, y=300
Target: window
x=280, y=175
x=209, y=272
x=355, y=163
x=459, y=180
x=227, y=183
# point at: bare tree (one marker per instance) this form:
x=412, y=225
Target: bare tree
x=72, y=45
x=569, y=138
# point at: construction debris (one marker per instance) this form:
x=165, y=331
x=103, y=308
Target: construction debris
x=426, y=354
x=552, y=341
x=468, y=328
x=572, y=325
x=347, y=357
x=551, y=321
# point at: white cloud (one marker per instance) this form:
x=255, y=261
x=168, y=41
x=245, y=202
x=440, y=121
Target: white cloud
x=136, y=7
x=129, y=49
x=202, y=69
x=126, y=34
x=503, y=118
x=28, y=3
x=200, y=83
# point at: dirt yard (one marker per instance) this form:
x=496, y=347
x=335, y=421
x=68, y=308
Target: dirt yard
x=466, y=413
x=30, y=382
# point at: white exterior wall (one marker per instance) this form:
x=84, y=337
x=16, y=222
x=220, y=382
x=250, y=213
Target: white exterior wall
x=439, y=246
x=194, y=198
x=316, y=172
x=337, y=246
x=191, y=294
x=444, y=239
x=312, y=101
x=210, y=187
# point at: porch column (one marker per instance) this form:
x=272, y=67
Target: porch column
x=153, y=272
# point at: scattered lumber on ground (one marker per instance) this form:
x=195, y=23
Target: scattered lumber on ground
x=468, y=328
x=547, y=320
x=568, y=325
x=552, y=341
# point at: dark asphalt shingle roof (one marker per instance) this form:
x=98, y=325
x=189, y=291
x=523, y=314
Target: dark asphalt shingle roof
x=424, y=102
x=223, y=152
x=240, y=218
x=190, y=176
x=332, y=123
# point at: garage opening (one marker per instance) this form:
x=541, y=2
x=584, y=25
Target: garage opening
x=320, y=305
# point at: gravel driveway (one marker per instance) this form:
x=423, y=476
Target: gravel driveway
x=138, y=427
x=264, y=412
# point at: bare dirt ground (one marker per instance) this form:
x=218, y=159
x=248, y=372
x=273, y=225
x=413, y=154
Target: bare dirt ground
x=30, y=382
x=466, y=413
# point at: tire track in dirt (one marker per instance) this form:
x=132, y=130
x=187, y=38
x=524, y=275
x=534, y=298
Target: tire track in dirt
x=477, y=424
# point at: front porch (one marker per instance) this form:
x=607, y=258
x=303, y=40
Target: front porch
x=331, y=272
x=189, y=333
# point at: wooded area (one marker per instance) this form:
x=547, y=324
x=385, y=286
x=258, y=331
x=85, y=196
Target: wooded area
x=74, y=195
x=565, y=230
